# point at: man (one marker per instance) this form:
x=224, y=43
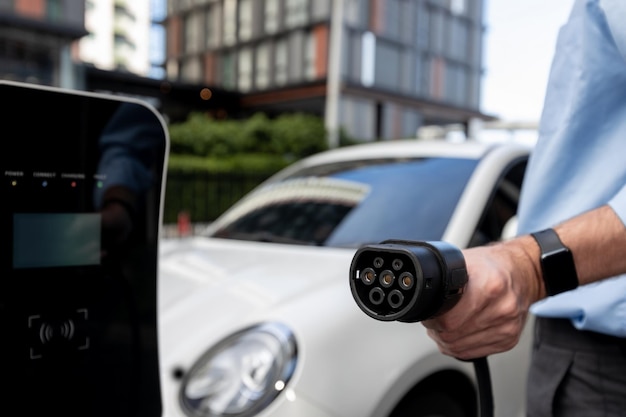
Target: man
x=566, y=264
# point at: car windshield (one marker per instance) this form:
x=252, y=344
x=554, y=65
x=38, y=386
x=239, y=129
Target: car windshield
x=348, y=204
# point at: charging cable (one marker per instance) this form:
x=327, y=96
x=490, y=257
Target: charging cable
x=483, y=378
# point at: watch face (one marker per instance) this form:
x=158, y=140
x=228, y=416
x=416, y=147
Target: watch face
x=557, y=263
x=79, y=221
x=559, y=271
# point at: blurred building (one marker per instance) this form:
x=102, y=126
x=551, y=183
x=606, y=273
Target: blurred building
x=119, y=35
x=42, y=40
x=377, y=68
x=36, y=38
x=97, y=45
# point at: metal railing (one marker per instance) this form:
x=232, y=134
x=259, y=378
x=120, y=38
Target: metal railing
x=203, y=196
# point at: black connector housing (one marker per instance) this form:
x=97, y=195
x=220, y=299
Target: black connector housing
x=407, y=281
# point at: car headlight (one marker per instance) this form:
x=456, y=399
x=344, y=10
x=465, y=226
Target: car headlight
x=242, y=374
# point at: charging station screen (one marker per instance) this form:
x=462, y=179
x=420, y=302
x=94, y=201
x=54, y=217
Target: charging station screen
x=55, y=239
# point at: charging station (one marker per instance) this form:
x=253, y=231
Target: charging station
x=80, y=214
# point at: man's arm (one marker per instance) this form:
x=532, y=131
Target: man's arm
x=505, y=279
x=597, y=240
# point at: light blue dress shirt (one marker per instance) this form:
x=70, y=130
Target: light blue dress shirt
x=579, y=162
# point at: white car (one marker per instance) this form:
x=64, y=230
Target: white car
x=257, y=317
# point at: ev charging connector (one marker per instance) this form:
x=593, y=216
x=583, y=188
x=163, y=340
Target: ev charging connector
x=407, y=281
x=411, y=281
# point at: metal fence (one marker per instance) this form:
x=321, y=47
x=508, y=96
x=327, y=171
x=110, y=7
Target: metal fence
x=203, y=196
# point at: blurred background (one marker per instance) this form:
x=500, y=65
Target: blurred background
x=248, y=86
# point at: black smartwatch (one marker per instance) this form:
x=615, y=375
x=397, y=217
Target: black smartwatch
x=557, y=263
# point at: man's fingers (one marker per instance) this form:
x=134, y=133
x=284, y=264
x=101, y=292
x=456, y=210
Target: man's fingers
x=479, y=343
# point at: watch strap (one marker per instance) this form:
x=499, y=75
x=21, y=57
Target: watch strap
x=557, y=263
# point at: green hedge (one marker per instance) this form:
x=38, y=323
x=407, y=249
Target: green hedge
x=213, y=163
x=290, y=136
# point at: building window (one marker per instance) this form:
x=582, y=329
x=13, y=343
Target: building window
x=229, y=75
x=245, y=69
x=456, y=85
x=245, y=20
x=54, y=10
x=351, y=59
x=230, y=22
x=172, y=68
x=473, y=93
x=271, y=15
x=262, y=62
x=182, y=4
x=122, y=42
x=320, y=9
x=295, y=52
x=459, y=39
x=192, y=70
x=463, y=86
x=193, y=33
x=356, y=13
x=295, y=13
x=407, y=70
x=392, y=18
x=212, y=27
x=387, y=65
x=122, y=13
x=418, y=74
x=309, y=57
x=474, y=10
x=280, y=62
x=422, y=75
x=437, y=29
x=411, y=121
x=358, y=117
x=368, y=58
x=458, y=6
x=423, y=27
x=407, y=21
x=6, y=4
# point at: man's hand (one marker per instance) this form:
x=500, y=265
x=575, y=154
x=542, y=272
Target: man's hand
x=504, y=279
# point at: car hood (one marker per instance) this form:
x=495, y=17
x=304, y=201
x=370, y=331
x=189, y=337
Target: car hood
x=262, y=273
x=227, y=280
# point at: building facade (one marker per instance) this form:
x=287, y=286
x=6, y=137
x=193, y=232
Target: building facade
x=36, y=38
x=379, y=69
x=41, y=42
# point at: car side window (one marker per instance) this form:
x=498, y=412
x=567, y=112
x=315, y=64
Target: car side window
x=502, y=206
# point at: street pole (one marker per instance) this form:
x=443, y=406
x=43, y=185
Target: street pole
x=333, y=78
